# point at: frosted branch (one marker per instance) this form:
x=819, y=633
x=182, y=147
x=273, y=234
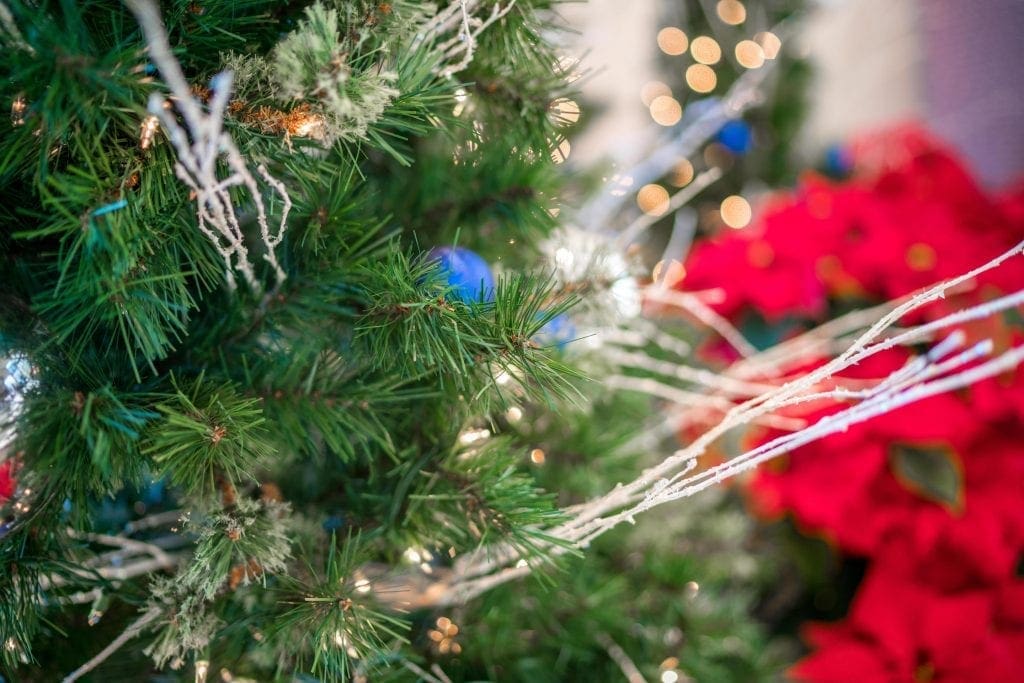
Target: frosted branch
x=457, y=52
x=199, y=146
x=948, y=366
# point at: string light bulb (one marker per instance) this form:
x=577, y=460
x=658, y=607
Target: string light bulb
x=149, y=125
x=652, y=199
x=666, y=110
x=769, y=42
x=749, y=54
x=736, y=212
x=672, y=41
x=731, y=12
x=701, y=78
x=705, y=50
x=653, y=89
x=202, y=669
x=18, y=107
x=682, y=173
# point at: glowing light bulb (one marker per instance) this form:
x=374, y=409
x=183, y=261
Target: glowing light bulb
x=769, y=42
x=701, y=78
x=672, y=41
x=749, y=54
x=736, y=211
x=665, y=110
x=653, y=89
x=731, y=12
x=652, y=199
x=705, y=50
x=682, y=174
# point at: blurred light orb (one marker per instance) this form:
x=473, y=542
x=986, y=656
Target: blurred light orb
x=652, y=199
x=665, y=110
x=653, y=89
x=672, y=41
x=749, y=54
x=565, y=111
x=701, y=78
x=705, y=50
x=731, y=12
x=561, y=151
x=682, y=173
x=769, y=42
x=736, y=211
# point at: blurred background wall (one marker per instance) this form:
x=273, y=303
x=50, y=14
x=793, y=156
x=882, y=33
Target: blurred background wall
x=954, y=64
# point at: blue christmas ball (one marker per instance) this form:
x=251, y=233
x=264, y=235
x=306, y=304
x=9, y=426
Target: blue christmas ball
x=735, y=136
x=558, y=331
x=334, y=523
x=466, y=272
x=837, y=160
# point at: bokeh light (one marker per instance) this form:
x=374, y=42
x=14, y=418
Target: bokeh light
x=653, y=89
x=736, y=211
x=565, y=111
x=666, y=110
x=672, y=41
x=769, y=42
x=731, y=12
x=749, y=54
x=652, y=199
x=682, y=174
x=705, y=50
x=701, y=78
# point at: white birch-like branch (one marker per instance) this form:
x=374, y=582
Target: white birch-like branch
x=199, y=146
x=947, y=367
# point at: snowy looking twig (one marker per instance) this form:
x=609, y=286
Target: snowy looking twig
x=946, y=367
x=200, y=145
x=457, y=52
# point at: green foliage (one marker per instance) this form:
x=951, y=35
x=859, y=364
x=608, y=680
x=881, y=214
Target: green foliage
x=208, y=431
x=343, y=389
x=477, y=496
x=332, y=620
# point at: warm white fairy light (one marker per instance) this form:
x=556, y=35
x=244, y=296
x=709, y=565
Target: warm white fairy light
x=149, y=126
x=202, y=669
x=769, y=42
x=705, y=50
x=669, y=676
x=652, y=199
x=653, y=89
x=18, y=107
x=472, y=436
x=701, y=78
x=749, y=54
x=672, y=41
x=537, y=456
x=666, y=110
x=731, y=12
x=736, y=212
x=565, y=111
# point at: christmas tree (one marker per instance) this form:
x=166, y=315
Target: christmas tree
x=309, y=375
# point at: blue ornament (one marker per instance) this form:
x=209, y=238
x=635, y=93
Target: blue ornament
x=558, y=331
x=837, y=160
x=736, y=137
x=466, y=272
x=334, y=523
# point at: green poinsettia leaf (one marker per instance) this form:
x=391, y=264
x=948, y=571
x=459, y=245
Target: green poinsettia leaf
x=932, y=472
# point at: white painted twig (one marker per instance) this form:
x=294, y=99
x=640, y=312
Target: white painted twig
x=199, y=146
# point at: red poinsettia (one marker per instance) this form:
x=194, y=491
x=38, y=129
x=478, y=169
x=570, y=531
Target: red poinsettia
x=935, y=474
x=7, y=482
x=899, y=631
x=890, y=230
